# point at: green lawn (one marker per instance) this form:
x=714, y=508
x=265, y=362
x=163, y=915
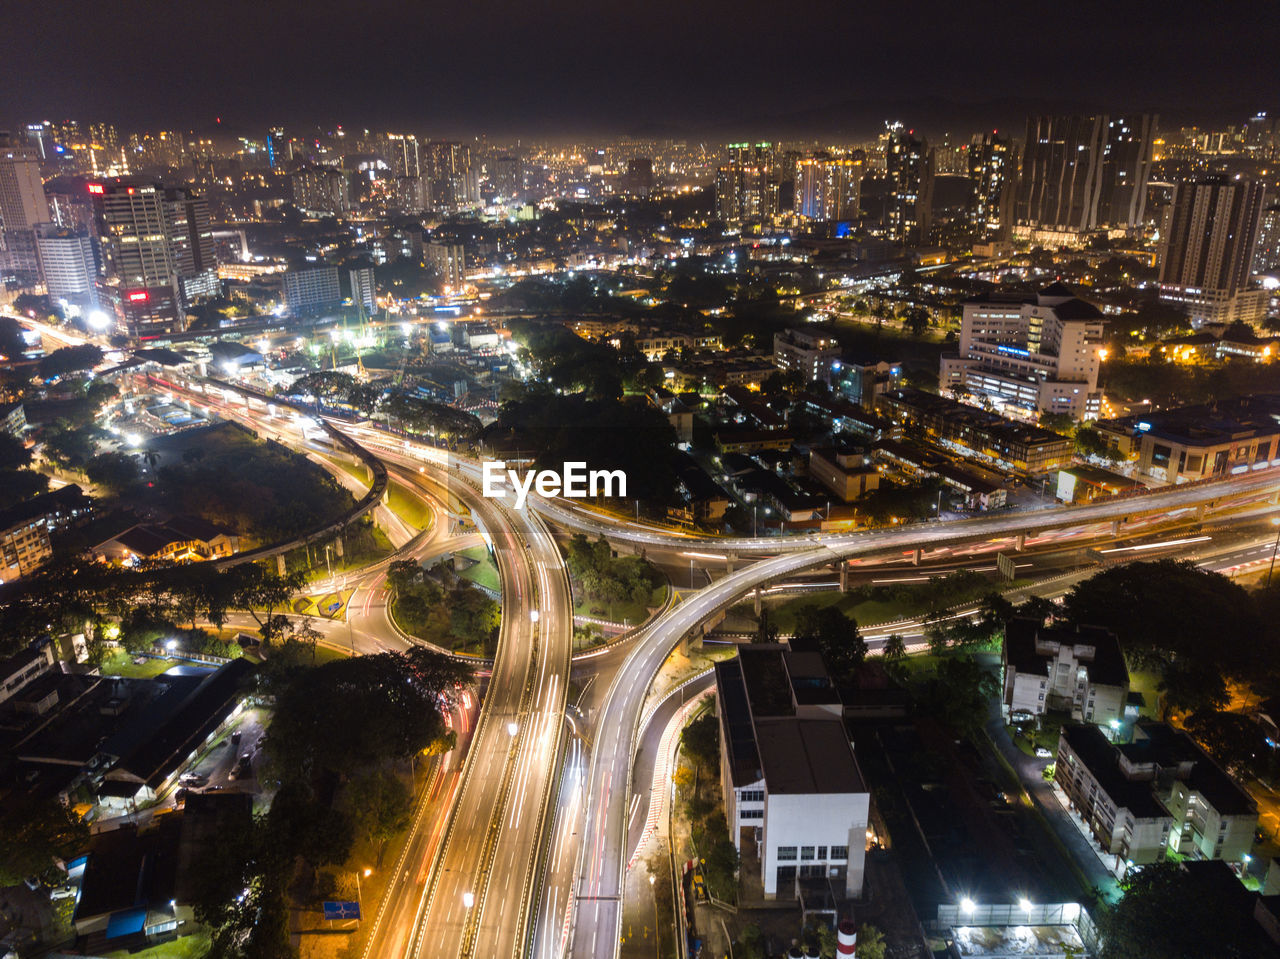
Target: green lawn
x=623, y=612
x=484, y=571
x=120, y=663
x=357, y=470
x=327, y=654
x=187, y=947
x=866, y=613
x=408, y=507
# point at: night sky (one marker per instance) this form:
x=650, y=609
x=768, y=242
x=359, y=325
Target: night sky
x=687, y=67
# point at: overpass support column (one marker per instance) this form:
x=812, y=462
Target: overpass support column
x=1200, y=511
x=280, y=564
x=1115, y=527
x=728, y=564
x=915, y=557
x=755, y=600
x=1020, y=542
x=844, y=576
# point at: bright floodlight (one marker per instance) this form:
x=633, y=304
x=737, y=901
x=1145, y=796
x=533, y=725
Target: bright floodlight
x=967, y=906
x=1024, y=904
x=368, y=872
x=534, y=615
x=512, y=728
x=99, y=320
x=171, y=645
x=406, y=328
x=133, y=439
x=468, y=899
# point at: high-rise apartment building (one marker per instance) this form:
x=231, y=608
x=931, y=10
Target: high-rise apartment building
x=1207, y=253
x=455, y=181
x=363, y=289
x=746, y=187
x=507, y=177
x=404, y=154
x=312, y=289
x=827, y=187
x=1082, y=173
x=1036, y=354
x=909, y=167
x=1266, y=255
x=320, y=191
x=23, y=207
x=449, y=263
x=993, y=170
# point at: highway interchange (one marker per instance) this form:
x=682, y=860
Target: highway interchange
x=520, y=843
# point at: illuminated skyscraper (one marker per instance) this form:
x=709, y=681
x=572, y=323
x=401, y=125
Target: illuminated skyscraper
x=746, y=187
x=1081, y=173
x=910, y=170
x=1206, y=256
x=826, y=187
x=993, y=170
x=23, y=207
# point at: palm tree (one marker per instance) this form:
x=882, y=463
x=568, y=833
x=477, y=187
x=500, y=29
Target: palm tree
x=895, y=648
x=151, y=457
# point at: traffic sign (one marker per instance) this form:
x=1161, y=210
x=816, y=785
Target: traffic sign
x=342, y=910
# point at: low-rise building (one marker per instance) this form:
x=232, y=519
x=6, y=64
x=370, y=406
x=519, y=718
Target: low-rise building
x=812, y=356
x=180, y=539
x=977, y=433
x=1208, y=441
x=1080, y=671
x=25, y=527
x=25, y=667
x=13, y=418
x=1159, y=794
x=845, y=470
x=793, y=792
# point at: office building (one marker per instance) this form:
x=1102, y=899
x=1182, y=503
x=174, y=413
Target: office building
x=746, y=187
x=1157, y=795
x=23, y=208
x=1077, y=671
x=993, y=172
x=1082, y=173
x=363, y=290
x=1036, y=354
x=826, y=187
x=861, y=383
x=792, y=786
x=449, y=263
x=909, y=167
x=279, y=148
x=846, y=470
x=309, y=290
x=68, y=264
x=810, y=355
x=1207, y=252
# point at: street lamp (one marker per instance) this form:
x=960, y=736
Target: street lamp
x=512, y=728
x=367, y=873
x=468, y=899
x=1275, y=521
x=967, y=906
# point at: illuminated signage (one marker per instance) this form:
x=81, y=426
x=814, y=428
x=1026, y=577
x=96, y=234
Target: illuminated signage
x=97, y=188
x=138, y=297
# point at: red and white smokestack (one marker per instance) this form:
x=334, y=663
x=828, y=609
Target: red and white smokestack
x=846, y=939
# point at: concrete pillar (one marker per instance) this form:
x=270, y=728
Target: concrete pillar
x=728, y=564
x=915, y=556
x=1020, y=542
x=755, y=600
x=337, y=547
x=1115, y=527
x=280, y=563
x=844, y=577
x=1200, y=511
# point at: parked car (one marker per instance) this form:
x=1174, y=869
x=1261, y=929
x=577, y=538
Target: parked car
x=192, y=779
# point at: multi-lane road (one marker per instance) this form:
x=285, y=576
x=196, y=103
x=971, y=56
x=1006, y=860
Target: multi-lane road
x=496, y=871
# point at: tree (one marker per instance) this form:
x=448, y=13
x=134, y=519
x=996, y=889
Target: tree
x=260, y=591
x=916, y=320
x=1190, y=687
x=871, y=944
x=701, y=739
x=1170, y=913
x=1235, y=740
x=14, y=454
x=959, y=692
x=34, y=833
x=380, y=806
x=69, y=359
x=836, y=636
x=115, y=471
x=895, y=648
